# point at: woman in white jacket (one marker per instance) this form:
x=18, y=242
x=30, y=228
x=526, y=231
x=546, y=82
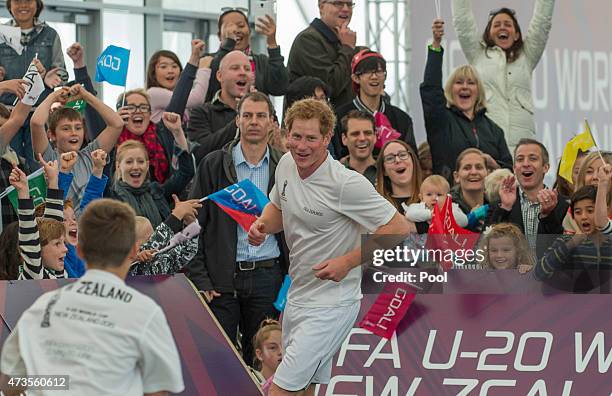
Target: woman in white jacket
x=505, y=61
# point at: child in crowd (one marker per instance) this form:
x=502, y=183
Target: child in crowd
x=75, y=266
x=506, y=248
x=152, y=258
x=492, y=184
x=590, y=249
x=267, y=344
x=588, y=175
x=163, y=74
x=434, y=189
x=66, y=131
x=41, y=240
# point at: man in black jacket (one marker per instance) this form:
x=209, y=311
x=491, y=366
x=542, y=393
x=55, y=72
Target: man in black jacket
x=240, y=281
x=206, y=120
x=325, y=49
x=369, y=72
x=535, y=209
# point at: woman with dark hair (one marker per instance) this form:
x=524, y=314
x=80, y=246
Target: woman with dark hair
x=163, y=74
x=506, y=60
x=398, y=174
x=270, y=73
x=456, y=115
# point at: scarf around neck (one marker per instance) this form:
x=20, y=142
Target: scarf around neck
x=157, y=156
x=141, y=200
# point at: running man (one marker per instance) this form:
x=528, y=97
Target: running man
x=323, y=207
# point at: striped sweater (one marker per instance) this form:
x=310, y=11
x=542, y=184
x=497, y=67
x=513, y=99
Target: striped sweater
x=29, y=239
x=587, y=255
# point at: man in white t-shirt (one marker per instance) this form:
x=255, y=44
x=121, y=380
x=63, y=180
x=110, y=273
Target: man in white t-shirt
x=323, y=207
x=107, y=337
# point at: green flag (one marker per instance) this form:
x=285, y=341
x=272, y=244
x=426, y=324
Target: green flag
x=38, y=189
x=79, y=105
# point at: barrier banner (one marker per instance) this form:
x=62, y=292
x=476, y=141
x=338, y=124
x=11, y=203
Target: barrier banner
x=524, y=343
x=210, y=365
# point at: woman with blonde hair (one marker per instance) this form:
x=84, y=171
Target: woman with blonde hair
x=132, y=185
x=455, y=117
x=505, y=247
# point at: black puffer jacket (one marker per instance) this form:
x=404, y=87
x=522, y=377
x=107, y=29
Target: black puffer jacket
x=449, y=131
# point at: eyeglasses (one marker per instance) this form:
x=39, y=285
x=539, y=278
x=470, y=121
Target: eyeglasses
x=340, y=4
x=390, y=158
x=143, y=108
x=240, y=9
x=492, y=13
x=370, y=73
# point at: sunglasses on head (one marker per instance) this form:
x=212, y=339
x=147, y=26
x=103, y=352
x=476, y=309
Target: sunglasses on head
x=492, y=13
x=239, y=9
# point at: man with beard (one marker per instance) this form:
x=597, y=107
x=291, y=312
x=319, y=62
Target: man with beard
x=212, y=124
x=358, y=134
x=239, y=281
x=325, y=49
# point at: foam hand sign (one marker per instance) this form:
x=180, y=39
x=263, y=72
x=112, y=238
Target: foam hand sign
x=34, y=85
x=384, y=130
x=112, y=65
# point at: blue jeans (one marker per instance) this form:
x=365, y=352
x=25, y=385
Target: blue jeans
x=251, y=303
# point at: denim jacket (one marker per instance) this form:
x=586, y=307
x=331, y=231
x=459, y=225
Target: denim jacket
x=42, y=40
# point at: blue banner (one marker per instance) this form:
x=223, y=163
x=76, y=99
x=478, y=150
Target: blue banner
x=112, y=65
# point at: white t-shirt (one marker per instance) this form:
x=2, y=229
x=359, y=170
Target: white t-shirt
x=108, y=337
x=324, y=216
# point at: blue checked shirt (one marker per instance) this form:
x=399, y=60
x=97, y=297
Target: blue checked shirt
x=260, y=176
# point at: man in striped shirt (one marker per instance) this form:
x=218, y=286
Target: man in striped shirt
x=41, y=240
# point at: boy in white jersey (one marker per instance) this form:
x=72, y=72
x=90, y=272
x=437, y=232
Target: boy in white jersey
x=108, y=337
x=323, y=208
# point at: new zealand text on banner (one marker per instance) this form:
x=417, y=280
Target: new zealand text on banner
x=445, y=234
x=242, y=201
x=112, y=65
